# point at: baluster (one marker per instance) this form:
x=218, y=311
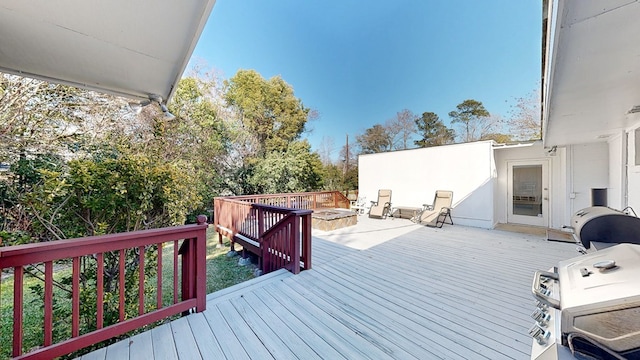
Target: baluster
x=159, y=283
x=141, y=281
x=48, y=303
x=121, y=261
x=75, y=298
x=175, y=271
x=100, y=297
x=18, y=273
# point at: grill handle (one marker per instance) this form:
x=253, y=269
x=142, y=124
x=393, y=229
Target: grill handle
x=538, y=292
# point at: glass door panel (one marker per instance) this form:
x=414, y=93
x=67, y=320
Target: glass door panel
x=527, y=190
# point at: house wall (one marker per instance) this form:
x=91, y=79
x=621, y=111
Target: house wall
x=633, y=171
x=414, y=176
x=589, y=168
x=616, y=194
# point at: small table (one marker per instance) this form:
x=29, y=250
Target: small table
x=405, y=212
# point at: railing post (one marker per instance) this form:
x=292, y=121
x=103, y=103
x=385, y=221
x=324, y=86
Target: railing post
x=306, y=241
x=217, y=211
x=264, y=256
x=295, y=257
x=201, y=266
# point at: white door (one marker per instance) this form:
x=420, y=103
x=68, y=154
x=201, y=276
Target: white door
x=528, y=192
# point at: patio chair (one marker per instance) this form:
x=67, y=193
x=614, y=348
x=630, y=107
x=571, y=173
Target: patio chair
x=381, y=208
x=358, y=205
x=436, y=214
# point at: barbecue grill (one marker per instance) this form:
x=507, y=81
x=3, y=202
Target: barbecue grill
x=603, y=226
x=590, y=303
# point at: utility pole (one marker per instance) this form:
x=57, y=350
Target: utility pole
x=346, y=166
x=346, y=160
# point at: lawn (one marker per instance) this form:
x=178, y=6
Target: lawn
x=222, y=272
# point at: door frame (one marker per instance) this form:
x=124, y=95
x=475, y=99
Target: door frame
x=543, y=220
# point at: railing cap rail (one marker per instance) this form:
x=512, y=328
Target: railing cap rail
x=46, y=251
x=274, y=195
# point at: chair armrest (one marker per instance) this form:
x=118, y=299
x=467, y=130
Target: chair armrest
x=427, y=206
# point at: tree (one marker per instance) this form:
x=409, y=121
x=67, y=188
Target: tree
x=326, y=149
x=268, y=108
x=433, y=131
x=401, y=128
x=470, y=114
x=497, y=137
x=524, y=121
x=41, y=118
x=295, y=170
x=348, y=164
x=375, y=139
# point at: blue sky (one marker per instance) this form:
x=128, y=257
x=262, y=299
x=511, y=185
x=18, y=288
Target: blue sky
x=360, y=62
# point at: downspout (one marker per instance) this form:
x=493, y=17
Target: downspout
x=570, y=187
x=625, y=170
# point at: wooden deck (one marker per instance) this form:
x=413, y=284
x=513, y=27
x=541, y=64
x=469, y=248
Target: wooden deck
x=417, y=293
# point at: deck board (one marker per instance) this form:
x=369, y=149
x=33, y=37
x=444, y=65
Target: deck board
x=164, y=345
x=141, y=346
x=231, y=346
x=117, y=351
x=205, y=340
x=399, y=291
x=186, y=345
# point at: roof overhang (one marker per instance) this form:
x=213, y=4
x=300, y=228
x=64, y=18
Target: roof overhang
x=591, y=78
x=122, y=47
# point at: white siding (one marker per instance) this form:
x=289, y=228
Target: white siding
x=617, y=160
x=589, y=169
x=633, y=174
x=414, y=176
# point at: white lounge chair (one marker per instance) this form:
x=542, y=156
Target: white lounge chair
x=436, y=215
x=381, y=208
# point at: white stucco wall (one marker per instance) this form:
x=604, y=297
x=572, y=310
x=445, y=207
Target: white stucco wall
x=588, y=168
x=414, y=176
x=633, y=174
x=617, y=171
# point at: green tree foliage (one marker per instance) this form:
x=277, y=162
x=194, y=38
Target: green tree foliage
x=433, y=131
x=472, y=115
x=375, y=139
x=270, y=120
x=268, y=108
x=200, y=138
x=295, y=170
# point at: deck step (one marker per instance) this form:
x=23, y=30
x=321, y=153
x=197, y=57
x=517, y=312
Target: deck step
x=243, y=287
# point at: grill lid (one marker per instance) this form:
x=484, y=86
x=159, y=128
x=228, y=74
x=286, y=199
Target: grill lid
x=603, y=224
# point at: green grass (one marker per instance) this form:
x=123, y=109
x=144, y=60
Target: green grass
x=222, y=272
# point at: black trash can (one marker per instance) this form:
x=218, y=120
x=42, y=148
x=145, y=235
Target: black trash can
x=599, y=197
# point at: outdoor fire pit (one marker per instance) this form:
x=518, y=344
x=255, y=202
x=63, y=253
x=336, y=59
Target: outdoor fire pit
x=332, y=219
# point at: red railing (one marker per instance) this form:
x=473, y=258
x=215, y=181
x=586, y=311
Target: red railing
x=276, y=227
x=188, y=243
x=310, y=200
